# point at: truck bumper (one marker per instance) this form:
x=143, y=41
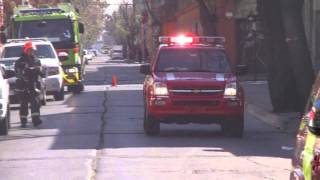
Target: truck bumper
x=210, y=111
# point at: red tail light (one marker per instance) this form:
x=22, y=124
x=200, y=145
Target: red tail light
x=312, y=114
x=76, y=50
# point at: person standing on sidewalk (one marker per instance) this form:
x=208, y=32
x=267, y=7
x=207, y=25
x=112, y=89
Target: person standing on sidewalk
x=29, y=71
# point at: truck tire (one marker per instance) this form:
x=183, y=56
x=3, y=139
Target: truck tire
x=151, y=126
x=78, y=88
x=59, y=96
x=4, y=124
x=233, y=128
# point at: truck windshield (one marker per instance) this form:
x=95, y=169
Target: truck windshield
x=54, y=30
x=192, y=60
x=43, y=51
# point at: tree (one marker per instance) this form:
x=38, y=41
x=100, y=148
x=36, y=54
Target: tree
x=124, y=26
x=91, y=14
x=290, y=73
x=207, y=17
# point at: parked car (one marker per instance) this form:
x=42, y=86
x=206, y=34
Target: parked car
x=52, y=84
x=4, y=103
x=306, y=159
x=190, y=81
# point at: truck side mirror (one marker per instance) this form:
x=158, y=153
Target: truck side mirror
x=63, y=56
x=145, y=69
x=81, y=28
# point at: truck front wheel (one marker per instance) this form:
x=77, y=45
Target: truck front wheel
x=151, y=126
x=233, y=127
x=77, y=88
x=4, y=124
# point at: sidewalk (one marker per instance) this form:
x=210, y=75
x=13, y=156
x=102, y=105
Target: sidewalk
x=259, y=105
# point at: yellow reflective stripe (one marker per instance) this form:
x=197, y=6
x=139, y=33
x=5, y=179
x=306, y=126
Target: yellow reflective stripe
x=302, y=125
x=308, y=155
x=23, y=116
x=35, y=114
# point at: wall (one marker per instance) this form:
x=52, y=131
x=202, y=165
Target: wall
x=312, y=25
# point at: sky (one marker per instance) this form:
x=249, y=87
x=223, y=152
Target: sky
x=115, y=5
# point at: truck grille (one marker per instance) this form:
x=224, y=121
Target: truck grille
x=195, y=103
x=200, y=92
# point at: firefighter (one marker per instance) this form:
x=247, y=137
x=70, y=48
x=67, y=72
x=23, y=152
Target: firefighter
x=29, y=72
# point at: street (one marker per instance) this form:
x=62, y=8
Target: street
x=98, y=134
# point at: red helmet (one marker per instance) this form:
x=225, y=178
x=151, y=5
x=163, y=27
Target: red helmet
x=28, y=45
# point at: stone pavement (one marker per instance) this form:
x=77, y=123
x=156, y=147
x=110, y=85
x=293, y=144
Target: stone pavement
x=259, y=105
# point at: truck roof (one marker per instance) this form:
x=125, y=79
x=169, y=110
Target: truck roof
x=21, y=42
x=60, y=11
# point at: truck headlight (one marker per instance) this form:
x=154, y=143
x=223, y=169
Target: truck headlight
x=72, y=70
x=230, y=90
x=160, y=89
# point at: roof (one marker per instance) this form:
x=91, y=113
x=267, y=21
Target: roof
x=21, y=42
x=61, y=11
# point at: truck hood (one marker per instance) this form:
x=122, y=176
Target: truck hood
x=49, y=62
x=194, y=76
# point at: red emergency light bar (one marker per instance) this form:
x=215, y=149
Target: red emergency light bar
x=187, y=40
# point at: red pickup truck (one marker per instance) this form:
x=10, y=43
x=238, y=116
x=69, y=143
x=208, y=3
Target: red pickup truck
x=190, y=81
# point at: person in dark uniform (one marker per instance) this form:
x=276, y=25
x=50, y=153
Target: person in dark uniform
x=29, y=71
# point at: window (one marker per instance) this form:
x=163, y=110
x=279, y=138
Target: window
x=193, y=60
x=43, y=51
x=12, y=51
x=46, y=28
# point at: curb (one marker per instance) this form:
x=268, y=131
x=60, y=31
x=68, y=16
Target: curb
x=286, y=122
x=266, y=117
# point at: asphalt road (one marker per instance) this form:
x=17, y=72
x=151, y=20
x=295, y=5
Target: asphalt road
x=98, y=135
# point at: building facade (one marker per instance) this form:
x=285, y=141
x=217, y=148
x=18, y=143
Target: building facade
x=168, y=17
x=231, y=20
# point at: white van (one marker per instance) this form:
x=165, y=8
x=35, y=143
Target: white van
x=49, y=60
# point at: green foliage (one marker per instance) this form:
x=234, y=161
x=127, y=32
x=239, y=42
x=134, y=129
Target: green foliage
x=123, y=25
x=91, y=14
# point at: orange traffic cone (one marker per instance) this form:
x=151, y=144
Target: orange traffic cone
x=114, y=81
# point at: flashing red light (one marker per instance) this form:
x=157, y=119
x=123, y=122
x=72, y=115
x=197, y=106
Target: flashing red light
x=182, y=40
x=185, y=40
